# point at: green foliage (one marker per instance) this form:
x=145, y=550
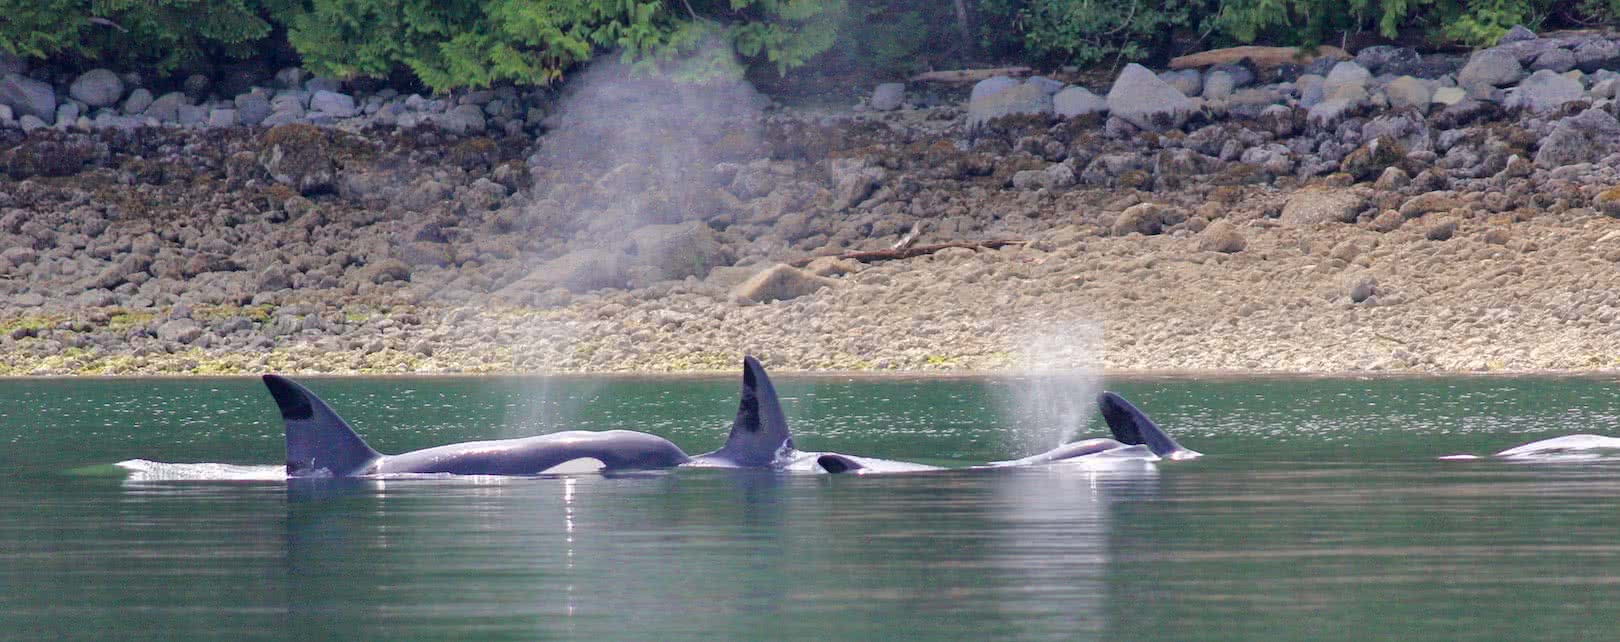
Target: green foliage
x=784, y=33
x=891, y=37
x=1482, y=22
x=160, y=35
x=1469, y=22
x=476, y=43
x=449, y=44
x=1087, y=32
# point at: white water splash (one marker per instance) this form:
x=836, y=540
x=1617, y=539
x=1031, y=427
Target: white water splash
x=1566, y=448
x=143, y=470
x=1054, y=392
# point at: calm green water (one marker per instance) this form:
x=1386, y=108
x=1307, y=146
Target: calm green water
x=1319, y=512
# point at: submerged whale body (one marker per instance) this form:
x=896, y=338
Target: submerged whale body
x=1568, y=448
x=321, y=444
x=1135, y=438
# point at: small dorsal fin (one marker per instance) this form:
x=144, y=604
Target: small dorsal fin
x=1132, y=427
x=317, y=438
x=760, y=430
x=835, y=463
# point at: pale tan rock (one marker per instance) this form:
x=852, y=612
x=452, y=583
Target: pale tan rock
x=780, y=282
x=1429, y=203
x=1315, y=206
x=1261, y=56
x=1221, y=236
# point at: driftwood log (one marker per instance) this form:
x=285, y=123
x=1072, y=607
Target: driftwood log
x=969, y=75
x=873, y=256
x=1263, y=57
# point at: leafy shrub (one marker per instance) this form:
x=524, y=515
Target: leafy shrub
x=1087, y=32
x=475, y=43
x=1470, y=22
x=157, y=35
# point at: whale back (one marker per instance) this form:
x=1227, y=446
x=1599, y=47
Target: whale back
x=319, y=442
x=760, y=430
x=1133, y=428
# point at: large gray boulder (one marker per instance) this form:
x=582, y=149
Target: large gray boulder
x=222, y=118
x=1491, y=68
x=1519, y=33
x=1188, y=81
x=252, y=108
x=991, y=85
x=28, y=97
x=1545, y=91
x=167, y=107
x=1559, y=60
x=1597, y=53
x=1023, y=99
x=1046, y=84
x=332, y=104
x=1075, y=101
x=1586, y=137
x=464, y=119
x=137, y=102
x=1389, y=60
x=1218, y=85
x=888, y=96
x=780, y=282
x=1346, y=78
x=1409, y=129
x=677, y=251
x=97, y=88
x=1142, y=99
x=1328, y=113
x=1407, y=92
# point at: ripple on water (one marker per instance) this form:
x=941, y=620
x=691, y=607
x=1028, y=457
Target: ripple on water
x=142, y=470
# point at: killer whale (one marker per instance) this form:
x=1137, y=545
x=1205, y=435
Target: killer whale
x=1565, y=449
x=319, y=443
x=1134, y=436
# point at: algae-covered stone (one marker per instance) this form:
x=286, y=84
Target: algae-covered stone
x=299, y=156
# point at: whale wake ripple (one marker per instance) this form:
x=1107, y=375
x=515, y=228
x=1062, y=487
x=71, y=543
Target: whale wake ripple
x=143, y=470
x=1567, y=448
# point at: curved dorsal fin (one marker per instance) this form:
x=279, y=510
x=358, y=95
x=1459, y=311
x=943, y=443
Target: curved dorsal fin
x=317, y=438
x=835, y=463
x=760, y=430
x=1132, y=427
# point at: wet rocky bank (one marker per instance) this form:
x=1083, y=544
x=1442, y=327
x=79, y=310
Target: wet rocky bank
x=1386, y=212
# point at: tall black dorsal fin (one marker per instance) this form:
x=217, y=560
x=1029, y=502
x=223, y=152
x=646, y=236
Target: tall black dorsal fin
x=760, y=430
x=1132, y=427
x=317, y=438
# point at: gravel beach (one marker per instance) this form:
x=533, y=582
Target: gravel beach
x=615, y=227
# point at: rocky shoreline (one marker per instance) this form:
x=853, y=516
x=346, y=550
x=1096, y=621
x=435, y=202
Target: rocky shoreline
x=1390, y=212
